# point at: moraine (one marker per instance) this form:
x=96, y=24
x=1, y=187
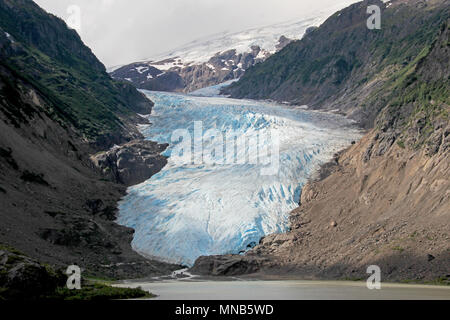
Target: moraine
x=193, y=207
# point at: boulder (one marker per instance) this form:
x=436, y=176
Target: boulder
x=131, y=163
x=23, y=278
x=227, y=265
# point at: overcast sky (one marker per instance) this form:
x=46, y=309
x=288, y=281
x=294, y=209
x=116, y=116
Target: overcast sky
x=124, y=31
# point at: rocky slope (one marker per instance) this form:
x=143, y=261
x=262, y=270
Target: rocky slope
x=343, y=66
x=58, y=106
x=24, y=278
x=391, y=211
x=384, y=201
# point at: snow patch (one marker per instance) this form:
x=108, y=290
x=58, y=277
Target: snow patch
x=10, y=38
x=141, y=70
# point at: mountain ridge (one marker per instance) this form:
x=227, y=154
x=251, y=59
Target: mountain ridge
x=383, y=201
x=343, y=65
x=215, y=59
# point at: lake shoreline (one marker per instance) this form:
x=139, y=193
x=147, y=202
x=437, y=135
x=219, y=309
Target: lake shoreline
x=287, y=290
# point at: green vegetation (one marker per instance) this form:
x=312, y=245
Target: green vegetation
x=342, y=56
x=91, y=103
x=4, y=247
x=90, y=292
x=413, y=235
x=99, y=291
x=419, y=100
x=36, y=281
x=441, y=281
x=28, y=176
x=353, y=279
x=398, y=248
x=74, y=86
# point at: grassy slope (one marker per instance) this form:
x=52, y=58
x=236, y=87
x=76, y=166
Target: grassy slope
x=53, y=60
x=417, y=106
x=342, y=57
x=43, y=282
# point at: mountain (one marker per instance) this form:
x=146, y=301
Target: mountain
x=384, y=201
x=39, y=49
x=217, y=58
x=58, y=108
x=342, y=64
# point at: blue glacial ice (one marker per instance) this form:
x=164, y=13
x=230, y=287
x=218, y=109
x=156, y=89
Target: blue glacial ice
x=192, y=209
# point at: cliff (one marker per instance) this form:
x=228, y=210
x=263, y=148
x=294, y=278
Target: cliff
x=58, y=107
x=384, y=201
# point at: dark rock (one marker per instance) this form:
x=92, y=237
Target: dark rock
x=58, y=106
x=221, y=67
x=368, y=153
x=6, y=154
x=133, y=162
x=135, y=99
x=109, y=213
x=310, y=29
x=341, y=74
x=94, y=205
x=227, y=265
x=282, y=42
x=430, y=257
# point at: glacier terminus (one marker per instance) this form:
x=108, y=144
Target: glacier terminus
x=195, y=208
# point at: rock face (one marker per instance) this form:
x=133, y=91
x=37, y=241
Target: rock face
x=221, y=67
x=385, y=200
x=230, y=265
x=234, y=55
x=58, y=106
x=24, y=277
x=131, y=163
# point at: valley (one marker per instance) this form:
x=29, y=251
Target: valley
x=190, y=208
x=304, y=150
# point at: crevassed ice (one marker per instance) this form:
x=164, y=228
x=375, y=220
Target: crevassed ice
x=189, y=210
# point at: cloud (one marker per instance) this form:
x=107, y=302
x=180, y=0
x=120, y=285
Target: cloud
x=123, y=31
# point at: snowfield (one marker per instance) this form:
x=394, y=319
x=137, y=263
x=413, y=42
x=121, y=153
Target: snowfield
x=188, y=210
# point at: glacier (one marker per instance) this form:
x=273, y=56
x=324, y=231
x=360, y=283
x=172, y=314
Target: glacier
x=192, y=209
